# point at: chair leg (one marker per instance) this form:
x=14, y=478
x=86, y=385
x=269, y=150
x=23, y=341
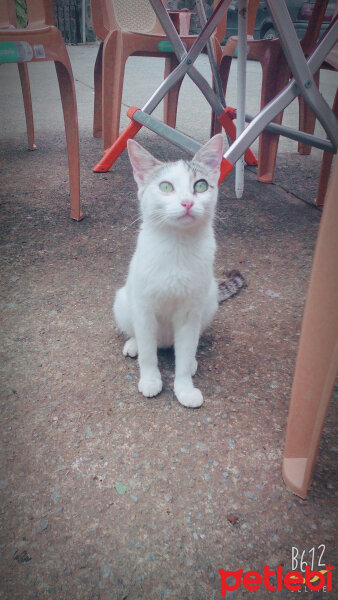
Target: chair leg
x=114, y=59
x=170, y=101
x=68, y=98
x=323, y=178
x=275, y=77
x=317, y=360
x=27, y=101
x=326, y=166
x=97, y=122
x=224, y=69
x=307, y=119
x=215, y=126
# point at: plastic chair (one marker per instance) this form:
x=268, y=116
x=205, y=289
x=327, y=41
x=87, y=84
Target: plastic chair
x=317, y=359
x=8, y=21
x=128, y=28
x=45, y=43
x=276, y=75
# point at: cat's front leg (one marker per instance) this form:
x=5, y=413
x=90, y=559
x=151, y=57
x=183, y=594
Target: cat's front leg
x=187, y=330
x=150, y=383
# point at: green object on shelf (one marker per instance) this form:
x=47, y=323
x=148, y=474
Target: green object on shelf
x=165, y=46
x=8, y=52
x=15, y=52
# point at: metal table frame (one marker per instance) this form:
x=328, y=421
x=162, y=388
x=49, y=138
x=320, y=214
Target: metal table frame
x=301, y=83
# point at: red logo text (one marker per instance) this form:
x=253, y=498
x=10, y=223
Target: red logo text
x=276, y=580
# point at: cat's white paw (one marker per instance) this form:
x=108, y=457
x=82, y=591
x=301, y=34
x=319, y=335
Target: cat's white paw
x=191, y=399
x=150, y=387
x=130, y=348
x=194, y=366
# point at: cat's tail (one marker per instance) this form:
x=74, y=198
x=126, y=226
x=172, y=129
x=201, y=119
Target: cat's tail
x=234, y=282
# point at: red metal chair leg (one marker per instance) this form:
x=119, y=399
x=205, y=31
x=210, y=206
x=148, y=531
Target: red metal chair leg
x=119, y=145
x=226, y=119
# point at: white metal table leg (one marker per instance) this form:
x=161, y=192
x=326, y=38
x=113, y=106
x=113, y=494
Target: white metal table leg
x=241, y=88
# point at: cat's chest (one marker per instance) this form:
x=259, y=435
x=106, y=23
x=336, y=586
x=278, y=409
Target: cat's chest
x=176, y=278
x=175, y=272
x=165, y=267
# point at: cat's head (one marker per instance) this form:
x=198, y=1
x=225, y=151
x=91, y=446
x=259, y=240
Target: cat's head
x=178, y=194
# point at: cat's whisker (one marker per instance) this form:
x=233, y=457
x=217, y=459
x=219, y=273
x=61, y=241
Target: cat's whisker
x=157, y=219
x=219, y=219
x=132, y=223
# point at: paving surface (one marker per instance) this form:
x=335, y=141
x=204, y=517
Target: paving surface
x=107, y=495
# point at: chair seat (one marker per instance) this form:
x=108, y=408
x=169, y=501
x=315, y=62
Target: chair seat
x=28, y=32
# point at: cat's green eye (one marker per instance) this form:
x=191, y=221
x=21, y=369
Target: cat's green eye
x=201, y=186
x=167, y=187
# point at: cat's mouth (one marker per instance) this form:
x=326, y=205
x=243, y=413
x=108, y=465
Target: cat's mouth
x=187, y=218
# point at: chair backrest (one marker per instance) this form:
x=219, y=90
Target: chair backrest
x=7, y=14
x=39, y=12
x=314, y=25
x=252, y=13
x=220, y=30
x=136, y=16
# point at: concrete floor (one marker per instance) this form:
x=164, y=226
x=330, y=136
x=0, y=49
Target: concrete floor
x=107, y=495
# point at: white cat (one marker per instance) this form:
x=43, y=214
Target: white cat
x=171, y=295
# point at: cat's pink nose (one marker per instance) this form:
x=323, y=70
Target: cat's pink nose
x=188, y=204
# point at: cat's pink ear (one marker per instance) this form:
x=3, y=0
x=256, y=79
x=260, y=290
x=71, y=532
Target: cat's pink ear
x=142, y=161
x=211, y=153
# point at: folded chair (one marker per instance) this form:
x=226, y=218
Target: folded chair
x=41, y=41
x=276, y=74
x=307, y=119
x=128, y=28
x=317, y=359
